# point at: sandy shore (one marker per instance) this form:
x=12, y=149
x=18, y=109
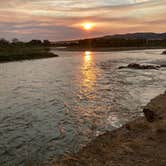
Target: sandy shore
x=138, y=143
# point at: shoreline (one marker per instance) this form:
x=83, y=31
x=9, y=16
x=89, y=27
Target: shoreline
x=140, y=142
x=28, y=59
x=21, y=53
x=109, y=49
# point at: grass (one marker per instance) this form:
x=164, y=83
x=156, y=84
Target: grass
x=17, y=53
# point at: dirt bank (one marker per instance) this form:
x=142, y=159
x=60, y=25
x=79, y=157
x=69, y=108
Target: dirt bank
x=138, y=143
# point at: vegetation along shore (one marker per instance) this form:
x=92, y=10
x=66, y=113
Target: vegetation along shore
x=16, y=51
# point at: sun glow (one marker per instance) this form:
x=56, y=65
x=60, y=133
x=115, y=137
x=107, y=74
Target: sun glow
x=87, y=53
x=87, y=56
x=88, y=26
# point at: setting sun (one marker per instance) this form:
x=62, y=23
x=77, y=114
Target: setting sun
x=88, y=26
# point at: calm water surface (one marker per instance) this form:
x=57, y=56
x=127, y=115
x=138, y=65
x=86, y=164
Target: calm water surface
x=50, y=107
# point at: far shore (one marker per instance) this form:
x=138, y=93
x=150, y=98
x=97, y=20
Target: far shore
x=20, y=53
x=141, y=142
x=104, y=49
x=10, y=54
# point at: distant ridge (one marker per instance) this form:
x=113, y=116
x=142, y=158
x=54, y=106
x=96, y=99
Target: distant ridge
x=146, y=35
x=143, y=35
x=144, y=40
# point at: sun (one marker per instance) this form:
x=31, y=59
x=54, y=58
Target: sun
x=88, y=26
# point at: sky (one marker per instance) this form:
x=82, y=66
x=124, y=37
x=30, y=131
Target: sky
x=58, y=20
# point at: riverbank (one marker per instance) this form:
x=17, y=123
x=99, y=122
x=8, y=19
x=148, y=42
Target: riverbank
x=19, y=53
x=141, y=142
x=104, y=49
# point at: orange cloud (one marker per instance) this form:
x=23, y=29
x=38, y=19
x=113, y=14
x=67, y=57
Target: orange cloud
x=44, y=17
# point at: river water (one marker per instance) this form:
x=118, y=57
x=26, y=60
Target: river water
x=50, y=107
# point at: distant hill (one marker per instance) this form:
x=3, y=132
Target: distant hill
x=119, y=40
x=147, y=36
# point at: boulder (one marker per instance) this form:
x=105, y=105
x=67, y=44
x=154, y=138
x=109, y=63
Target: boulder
x=163, y=65
x=164, y=52
x=138, y=66
x=156, y=109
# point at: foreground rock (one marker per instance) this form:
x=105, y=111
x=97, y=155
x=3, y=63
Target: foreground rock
x=164, y=52
x=142, y=67
x=139, y=143
x=156, y=109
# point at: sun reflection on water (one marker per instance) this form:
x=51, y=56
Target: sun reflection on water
x=89, y=76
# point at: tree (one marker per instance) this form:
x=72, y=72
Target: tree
x=46, y=42
x=35, y=42
x=4, y=42
x=15, y=41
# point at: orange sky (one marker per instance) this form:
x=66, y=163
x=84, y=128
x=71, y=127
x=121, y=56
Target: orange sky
x=62, y=19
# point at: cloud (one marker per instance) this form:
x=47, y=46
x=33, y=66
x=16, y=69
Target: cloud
x=59, y=19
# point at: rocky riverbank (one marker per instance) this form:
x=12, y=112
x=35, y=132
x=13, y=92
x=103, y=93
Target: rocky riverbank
x=141, y=142
x=142, y=67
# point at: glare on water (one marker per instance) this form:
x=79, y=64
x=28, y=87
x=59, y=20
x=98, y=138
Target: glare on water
x=89, y=76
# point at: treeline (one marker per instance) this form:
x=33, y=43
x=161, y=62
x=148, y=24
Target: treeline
x=101, y=42
x=16, y=42
x=17, y=50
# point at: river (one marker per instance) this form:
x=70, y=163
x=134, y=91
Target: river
x=51, y=107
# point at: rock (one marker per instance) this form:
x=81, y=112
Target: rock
x=149, y=114
x=155, y=110
x=134, y=65
x=122, y=67
x=163, y=65
x=138, y=66
x=164, y=52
